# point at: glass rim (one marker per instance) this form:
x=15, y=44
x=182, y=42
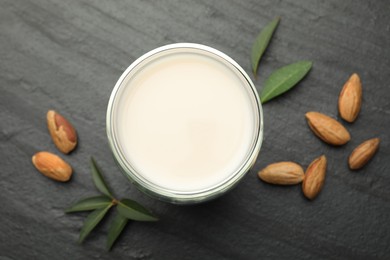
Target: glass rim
x=174, y=196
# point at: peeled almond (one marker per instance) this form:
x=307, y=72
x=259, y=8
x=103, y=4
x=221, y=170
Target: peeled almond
x=52, y=166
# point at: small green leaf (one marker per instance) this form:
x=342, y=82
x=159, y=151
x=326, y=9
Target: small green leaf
x=98, y=179
x=135, y=211
x=261, y=43
x=92, y=220
x=283, y=79
x=116, y=227
x=90, y=204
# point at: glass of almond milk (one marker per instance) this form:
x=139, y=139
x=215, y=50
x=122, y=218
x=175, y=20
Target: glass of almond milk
x=185, y=123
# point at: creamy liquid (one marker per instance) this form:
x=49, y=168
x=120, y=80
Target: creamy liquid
x=185, y=122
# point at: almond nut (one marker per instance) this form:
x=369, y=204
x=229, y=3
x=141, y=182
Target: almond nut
x=363, y=153
x=283, y=173
x=327, y=129
x=350, y=99
x=62, y=132
x=52, y=166
x=314, y=178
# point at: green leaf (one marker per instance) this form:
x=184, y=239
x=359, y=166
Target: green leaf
x=135, y=211
x=116, y=228
x=90, y=204
x=261, y=43
x=98, y=179
x=283, y=79
x=92, y=220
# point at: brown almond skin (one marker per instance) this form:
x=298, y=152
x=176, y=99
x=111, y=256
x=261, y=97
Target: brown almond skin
x=314, y=178
x=350, y=99
x=61, y=131
x=52, y=166
x=327, y=129
x=282, y=173
x=362, y=154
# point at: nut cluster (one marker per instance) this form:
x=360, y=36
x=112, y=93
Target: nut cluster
x=65, y=139
x=332, y=132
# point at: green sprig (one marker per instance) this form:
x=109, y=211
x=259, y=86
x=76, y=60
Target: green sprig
x=126, y=209
x=282, y=79
x=261, y=43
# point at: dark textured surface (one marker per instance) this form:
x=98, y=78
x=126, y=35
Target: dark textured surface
x=67, y=55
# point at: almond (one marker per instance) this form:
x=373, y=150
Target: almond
x=327, y=129
x=363, y=153
x=314, y=178
x=283, y=173
x=62, y=132
x=52, y=166
x=350, y=99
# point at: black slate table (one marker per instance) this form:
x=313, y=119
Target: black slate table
x=67, y=56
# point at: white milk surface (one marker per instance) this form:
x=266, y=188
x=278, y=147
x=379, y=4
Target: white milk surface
x=185, y=122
